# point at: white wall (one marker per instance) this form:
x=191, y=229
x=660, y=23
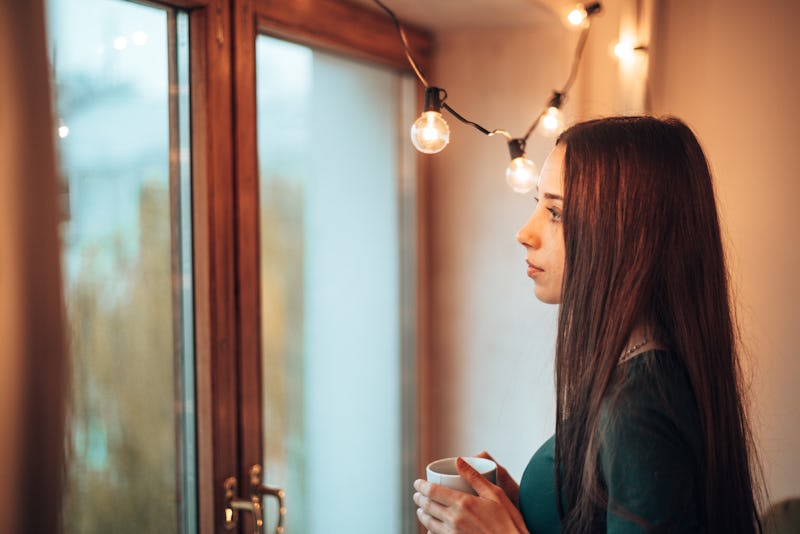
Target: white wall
x=492, y=341
x=729, y=69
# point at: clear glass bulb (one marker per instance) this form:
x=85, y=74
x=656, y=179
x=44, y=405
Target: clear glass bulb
x=624, y=51
x=521, y=174
x=552, y=122
x=578, y=15
x=430, y=133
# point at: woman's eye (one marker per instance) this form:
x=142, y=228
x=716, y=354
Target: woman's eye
x=555, y=215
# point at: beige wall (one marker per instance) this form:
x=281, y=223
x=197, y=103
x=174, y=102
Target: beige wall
x=729, y=69
x=492, y=340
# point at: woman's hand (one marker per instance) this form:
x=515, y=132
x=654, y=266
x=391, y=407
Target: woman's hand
x=504, y=480
x=446, y=511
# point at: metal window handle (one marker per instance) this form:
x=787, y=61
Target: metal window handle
x=234, y=503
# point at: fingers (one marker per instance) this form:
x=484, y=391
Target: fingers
x=438, y=493
x=484, y=454
x=430, y=507
x=482, y=487
x=433, y=525
x=431, y=514
x=501, y=471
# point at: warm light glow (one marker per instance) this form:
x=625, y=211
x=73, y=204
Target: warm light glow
x=120, y=43
x=624, y=51
x=521, y=174
x=577, y=16
x=139, y=38
x=430, y=133
x=553, y=121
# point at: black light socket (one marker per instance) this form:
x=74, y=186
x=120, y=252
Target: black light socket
x=516, y=148
x=592, y=8
x=433, y=99
x=556, y=100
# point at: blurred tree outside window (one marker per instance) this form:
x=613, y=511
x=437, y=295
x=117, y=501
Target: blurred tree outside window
x=127, y=270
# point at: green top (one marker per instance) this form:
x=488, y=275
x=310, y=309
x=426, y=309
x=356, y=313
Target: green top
x=650, y=454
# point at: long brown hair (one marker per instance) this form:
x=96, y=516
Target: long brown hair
x=643, y=244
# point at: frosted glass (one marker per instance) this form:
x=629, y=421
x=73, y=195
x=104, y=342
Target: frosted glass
x=329, y=157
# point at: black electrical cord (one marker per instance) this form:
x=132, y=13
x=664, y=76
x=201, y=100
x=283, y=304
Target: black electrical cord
x=576, y=59
x=418, y=72
x=573, y=73
x=558, y=96
x=406, y=47
x=477, y=126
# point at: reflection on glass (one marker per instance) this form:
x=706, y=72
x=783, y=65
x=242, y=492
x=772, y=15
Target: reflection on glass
x=330, y=280
x=127, y=264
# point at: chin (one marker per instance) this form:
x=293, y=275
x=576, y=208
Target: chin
x=546, y=296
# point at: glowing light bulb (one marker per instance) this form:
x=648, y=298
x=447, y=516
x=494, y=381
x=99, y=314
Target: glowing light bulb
x=577, y=16
x=628, y=52
x=430, y=133
x=552, y=121
x=521, y=174
x=624, y=51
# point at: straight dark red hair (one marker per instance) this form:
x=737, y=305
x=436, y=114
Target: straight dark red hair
x=643, y=244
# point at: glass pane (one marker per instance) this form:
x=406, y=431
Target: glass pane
x=121, y=75
x=331, y=282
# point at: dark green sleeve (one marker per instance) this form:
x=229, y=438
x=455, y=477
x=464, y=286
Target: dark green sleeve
x=649, y=456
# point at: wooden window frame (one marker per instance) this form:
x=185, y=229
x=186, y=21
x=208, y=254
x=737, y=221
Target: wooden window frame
x=357, y=32
x=225, y=215
x=214, y=253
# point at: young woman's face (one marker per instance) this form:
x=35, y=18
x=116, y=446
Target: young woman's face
x=543, y=235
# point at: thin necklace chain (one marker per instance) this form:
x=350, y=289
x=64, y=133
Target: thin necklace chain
x=627, y=353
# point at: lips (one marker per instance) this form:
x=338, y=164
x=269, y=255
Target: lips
x=534, y=270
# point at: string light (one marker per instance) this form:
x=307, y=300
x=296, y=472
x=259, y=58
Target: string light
x=625, y=51
x=431, y=134
x=553, y=119
x=579, y=15
x=521, y=173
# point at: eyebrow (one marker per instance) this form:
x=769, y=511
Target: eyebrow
x=551, y=196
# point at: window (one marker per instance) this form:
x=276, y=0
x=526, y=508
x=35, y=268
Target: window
x=182, y=211
x=121, y=76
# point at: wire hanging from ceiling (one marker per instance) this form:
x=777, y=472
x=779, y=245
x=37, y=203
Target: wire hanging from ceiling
x=430, y=133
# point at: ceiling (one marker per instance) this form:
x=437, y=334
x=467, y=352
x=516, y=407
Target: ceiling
x=440, y=15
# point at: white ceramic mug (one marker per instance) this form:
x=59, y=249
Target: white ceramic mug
x=445, y=473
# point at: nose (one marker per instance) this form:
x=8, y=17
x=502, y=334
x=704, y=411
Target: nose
x=528, y=236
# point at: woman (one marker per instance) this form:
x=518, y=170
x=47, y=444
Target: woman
x=651, y=434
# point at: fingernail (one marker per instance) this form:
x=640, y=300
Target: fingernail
x=419, y=511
